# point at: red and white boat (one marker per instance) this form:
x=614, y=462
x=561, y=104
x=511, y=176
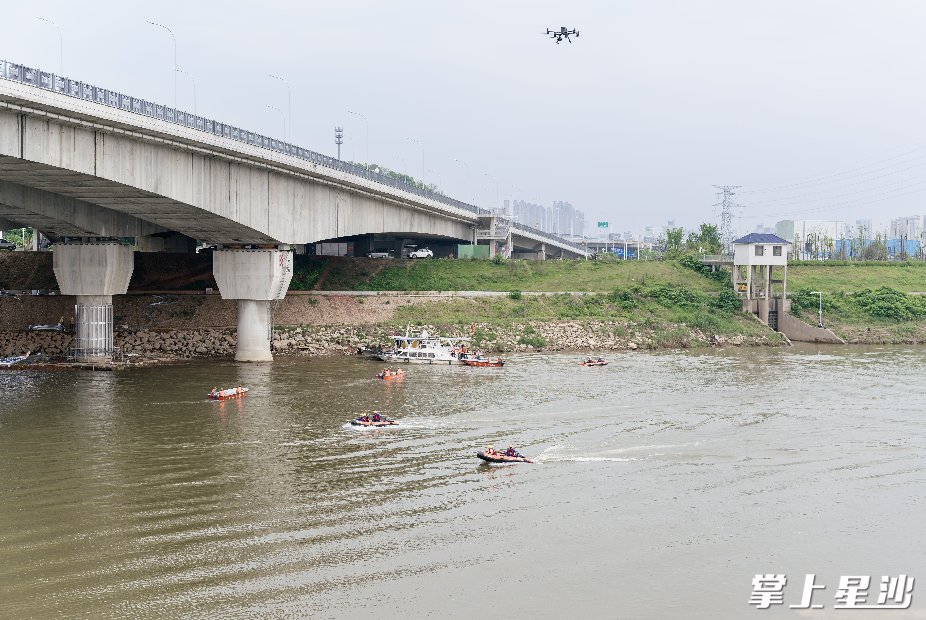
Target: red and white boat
x=597, y=362
x=399, y=374
x=237, y=392
x=481, y=361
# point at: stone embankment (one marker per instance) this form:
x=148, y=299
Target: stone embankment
x=319, y=341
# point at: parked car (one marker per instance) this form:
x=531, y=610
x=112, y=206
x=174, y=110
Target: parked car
x=422, y=253
x=378, y=254
x=7, y=245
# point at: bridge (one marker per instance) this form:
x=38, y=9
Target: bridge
x=87, y=165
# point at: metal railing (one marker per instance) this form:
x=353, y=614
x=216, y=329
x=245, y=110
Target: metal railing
x=82, y=90
x=715, y=258
x=546, y=235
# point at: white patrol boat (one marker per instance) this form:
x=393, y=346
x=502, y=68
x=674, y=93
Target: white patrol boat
x=423, y=348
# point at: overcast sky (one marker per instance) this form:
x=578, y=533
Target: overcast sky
x=814, y=107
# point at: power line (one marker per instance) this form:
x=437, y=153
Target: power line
x=838, y=168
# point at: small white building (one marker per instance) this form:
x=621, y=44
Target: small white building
x=755, y=257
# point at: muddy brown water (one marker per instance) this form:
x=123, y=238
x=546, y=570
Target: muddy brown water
x=664, y=483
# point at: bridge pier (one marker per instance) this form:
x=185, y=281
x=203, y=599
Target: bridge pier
x=93, y=272
x=254, y=278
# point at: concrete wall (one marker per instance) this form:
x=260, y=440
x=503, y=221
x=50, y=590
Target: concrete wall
x=799, y=331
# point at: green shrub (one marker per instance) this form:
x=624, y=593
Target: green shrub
x=515, y=294
x=727, y=301
x=536, y=341
x=622, y=298
x=886, y=303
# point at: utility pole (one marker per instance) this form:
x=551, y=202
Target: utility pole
x=726, y=217
x=339, y=139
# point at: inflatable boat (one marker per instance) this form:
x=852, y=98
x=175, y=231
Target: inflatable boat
x=483, y=362
x=398, y=375
x=226, y=394
x=594, y=363
x=501, y=458
x=371, y=423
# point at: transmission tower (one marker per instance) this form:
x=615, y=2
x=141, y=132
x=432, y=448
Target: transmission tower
x=726, y=217
x=339, y=139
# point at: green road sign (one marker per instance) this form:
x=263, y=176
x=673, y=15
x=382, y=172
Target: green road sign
x=603, y=225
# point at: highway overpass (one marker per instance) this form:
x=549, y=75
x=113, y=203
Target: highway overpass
x=87, y=165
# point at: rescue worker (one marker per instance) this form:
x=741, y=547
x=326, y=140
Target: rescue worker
x=376, y=417
x=511, y=451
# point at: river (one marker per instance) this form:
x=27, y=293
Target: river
x=665, y=482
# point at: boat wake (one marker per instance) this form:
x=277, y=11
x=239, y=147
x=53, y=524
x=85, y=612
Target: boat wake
x=560, y=454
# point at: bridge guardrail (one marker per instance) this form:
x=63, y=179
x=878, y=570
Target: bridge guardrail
x=82, y=90
x=546, y=235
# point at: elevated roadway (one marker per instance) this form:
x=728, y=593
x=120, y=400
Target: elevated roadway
x=85, y=165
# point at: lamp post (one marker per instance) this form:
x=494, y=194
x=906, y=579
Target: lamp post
x=468, y=186
x=496, y=188
x=284, y=120
x=439, y=178
x=368, y=134
x=405, y=165
x=175, y=59
x=194, y=88
x=820, y=324
x=60, y=41
x=289, y=105
x=422, y=156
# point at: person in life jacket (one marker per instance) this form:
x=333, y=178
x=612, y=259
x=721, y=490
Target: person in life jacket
x=490, y=451
x=364, y=418
x=376, y=416
x=511, y=451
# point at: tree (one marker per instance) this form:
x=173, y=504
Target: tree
x=706, y=240
x=672, y=242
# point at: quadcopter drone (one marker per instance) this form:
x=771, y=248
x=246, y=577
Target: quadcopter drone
x=561, y=34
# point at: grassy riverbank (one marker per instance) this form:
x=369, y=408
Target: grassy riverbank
x=883, y=315
x=909, y=277
x=364, y=274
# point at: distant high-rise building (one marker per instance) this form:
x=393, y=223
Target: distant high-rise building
x=906, y=227
x=809, y=236
x=762, y=229
x=863, y=228
x=670, y=224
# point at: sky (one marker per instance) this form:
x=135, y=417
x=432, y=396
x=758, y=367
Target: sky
x=813, y=108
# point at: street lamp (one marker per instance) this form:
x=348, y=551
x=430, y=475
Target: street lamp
x=820, y=324
x=496, y=188
x=405, y=165
x=468, y=186
x=194, y=89
x=422, y=156
x=289, y=105
x=284, y=120
x=368, y=134
x=60, y=41
x=175, y=59
x=439, y=179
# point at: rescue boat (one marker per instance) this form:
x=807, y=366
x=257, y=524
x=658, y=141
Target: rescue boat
x=484, y=362
x=396, y=375
x=371, y=423
x=594, y=363
x=501, y=458
x=226, y=394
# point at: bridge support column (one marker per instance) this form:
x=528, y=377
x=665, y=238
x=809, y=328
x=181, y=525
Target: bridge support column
x=93, y=272
x=254, y=278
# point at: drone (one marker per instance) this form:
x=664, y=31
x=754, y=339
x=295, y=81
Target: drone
x=561, y=34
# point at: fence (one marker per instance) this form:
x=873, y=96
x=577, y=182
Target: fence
x=88, y=92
